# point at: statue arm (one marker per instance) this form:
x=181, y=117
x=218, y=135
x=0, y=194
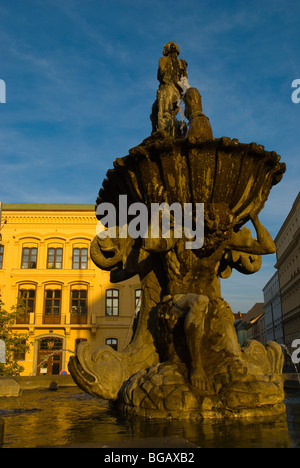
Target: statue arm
x=244, y=242
x=184, y=67
x=162, y=68
x=117, y=275
x=264, y=237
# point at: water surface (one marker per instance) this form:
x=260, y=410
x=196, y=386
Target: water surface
x=69, y=416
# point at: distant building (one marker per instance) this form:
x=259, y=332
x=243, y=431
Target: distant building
x=288, y=264
x=252, y=326
x=273, y=312
x=44, y=259
x=239, y=316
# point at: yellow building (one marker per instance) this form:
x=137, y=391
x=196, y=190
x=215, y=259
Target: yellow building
x=44, y=258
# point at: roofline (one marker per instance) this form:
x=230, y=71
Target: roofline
x=46, y=207
x=287, y=219
x=271, y=279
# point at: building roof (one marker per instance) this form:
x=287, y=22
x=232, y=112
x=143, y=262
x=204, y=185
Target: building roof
x=252, y=315
x=46, y=207
x=271, y=280
x=239, y=315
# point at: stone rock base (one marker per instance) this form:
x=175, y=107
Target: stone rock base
x=163, y=392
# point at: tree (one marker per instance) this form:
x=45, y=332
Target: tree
x=15, y=343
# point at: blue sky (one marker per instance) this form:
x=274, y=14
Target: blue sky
x=81, y=80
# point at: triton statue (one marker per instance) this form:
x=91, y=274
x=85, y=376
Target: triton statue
x=184, y=360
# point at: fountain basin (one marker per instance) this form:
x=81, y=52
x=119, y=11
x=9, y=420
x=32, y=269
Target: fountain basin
x=13, y=386
x=69, y=417
x=215, y=171
x=9, y=387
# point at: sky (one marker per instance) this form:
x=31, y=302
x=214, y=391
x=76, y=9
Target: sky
x=80, y=81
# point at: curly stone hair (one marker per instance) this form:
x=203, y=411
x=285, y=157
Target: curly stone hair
x=169, y=46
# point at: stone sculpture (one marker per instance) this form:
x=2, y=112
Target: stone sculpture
x=172, y=76
x=184, y=360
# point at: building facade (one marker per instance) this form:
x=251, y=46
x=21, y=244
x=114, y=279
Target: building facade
x=273, y=312
x=251, y=326
x=255, y=320
x=44, y=260
x=288, y=264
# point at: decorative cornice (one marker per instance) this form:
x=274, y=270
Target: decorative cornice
x=49, y=219
x=47, y=207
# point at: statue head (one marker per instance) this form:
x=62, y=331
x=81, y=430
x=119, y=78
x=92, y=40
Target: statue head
x=99, y=373
x=171, y=47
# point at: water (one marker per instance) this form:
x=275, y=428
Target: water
x=43, y=418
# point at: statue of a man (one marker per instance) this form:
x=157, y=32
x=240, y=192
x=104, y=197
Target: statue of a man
x=172, y=76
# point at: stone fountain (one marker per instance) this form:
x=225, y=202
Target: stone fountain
x=184, y=361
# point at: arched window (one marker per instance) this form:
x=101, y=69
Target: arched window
x=112, y=342
x=29, y=257
x=79, y=304
x=80, y=258
x=27, y=302
x=54, y=257
x=112, y=302
x=52, y=304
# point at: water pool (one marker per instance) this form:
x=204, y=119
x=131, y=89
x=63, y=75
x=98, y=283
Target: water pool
x=69, y=416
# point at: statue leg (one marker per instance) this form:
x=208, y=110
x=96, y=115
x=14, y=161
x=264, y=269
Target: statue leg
x=194, y=330
x=168, y=106
x=187, y=312
x=225, y=361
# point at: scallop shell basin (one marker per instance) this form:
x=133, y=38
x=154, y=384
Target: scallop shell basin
x=214, y=171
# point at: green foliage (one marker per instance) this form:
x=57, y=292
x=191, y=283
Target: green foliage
x=16, y=343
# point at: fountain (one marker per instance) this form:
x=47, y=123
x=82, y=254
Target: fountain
x=184, y=361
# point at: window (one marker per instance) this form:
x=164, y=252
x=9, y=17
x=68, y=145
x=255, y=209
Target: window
x=80, y=257
x=112, y=342
x=138, y=299
x=27, y=296
x=79, y=306
x=78, y=341
x=1, y=256
x=54, y=259
x=52, y=306
x=29, y=257
x=112, y=302
x=20, y=351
